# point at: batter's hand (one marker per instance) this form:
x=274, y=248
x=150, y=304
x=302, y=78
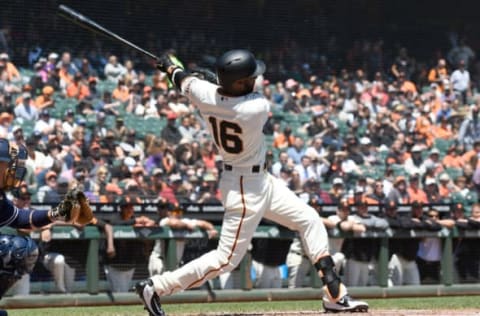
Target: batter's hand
x=205, y=74
x=168, y=62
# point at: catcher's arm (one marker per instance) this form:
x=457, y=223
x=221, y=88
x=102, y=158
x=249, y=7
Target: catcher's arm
x=74, y=209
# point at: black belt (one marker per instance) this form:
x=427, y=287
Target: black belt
x=255, y=169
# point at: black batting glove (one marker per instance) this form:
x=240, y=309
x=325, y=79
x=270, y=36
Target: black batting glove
x=166, y=61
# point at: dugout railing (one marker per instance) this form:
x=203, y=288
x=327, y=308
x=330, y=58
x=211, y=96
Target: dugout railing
x=93, y=236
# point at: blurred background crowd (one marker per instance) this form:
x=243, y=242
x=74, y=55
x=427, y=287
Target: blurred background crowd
x=400, y=133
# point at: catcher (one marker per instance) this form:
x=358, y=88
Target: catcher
x=18, y=254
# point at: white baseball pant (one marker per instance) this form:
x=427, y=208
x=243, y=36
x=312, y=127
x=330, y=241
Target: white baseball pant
x=63, y=274
x=120, y=281
x=402, y=271
x=22, y=286
x=267, y=277
x=247, y=198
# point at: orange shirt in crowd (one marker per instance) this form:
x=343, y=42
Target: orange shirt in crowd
x=417, y=195
x=468, y=156
x=78, y=90
x=408, y=86
x=65, y=76
x=437, y=74
x=281, y=141
x=444, y=191
x=452, y=161
x=442, y=132
x=209, y=161
x=121, y=94
x=12, y=72
x=424, y=126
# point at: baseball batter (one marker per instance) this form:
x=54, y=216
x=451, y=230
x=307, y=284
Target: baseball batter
x=235, y=116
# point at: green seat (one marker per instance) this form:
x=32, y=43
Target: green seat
x=442, y=145
x=454, y=173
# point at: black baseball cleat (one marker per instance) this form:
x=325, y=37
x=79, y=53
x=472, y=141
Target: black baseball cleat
x=150, y=298
x=345, y=304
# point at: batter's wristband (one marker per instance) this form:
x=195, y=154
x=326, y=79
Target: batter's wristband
x=177, y=76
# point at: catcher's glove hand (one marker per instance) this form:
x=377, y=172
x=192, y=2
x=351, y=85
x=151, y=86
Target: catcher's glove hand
x=75, y=208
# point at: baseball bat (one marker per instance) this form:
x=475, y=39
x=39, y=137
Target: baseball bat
x=90, y=25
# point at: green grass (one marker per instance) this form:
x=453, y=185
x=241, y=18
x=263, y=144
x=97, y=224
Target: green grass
x=430, y=303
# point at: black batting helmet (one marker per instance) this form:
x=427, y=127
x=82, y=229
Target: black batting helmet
x=237, y=64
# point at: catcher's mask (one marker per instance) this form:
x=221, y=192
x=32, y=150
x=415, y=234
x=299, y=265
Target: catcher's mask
x=15, y=156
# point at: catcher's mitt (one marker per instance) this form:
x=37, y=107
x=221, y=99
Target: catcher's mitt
x=75, y=208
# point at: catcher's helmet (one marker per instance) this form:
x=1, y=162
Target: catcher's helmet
x=237, y=64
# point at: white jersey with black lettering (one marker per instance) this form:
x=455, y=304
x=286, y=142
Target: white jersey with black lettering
x=235, y=123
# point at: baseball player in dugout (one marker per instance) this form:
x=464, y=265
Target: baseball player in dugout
x=235, y=116
x=18, y=254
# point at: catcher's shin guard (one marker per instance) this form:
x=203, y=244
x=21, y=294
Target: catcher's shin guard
x=334, y=288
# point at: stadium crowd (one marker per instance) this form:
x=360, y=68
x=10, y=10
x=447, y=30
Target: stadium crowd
x=363, y=134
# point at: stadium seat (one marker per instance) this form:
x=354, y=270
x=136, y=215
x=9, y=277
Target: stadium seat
x=454, y=173
x=442, y=145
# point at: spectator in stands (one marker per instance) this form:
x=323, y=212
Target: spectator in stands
x=438, y=73
x=469, y=132
x=7, y=66
x=433, y=162
x=362, y=253
x=415, y=192
x=282, y=162
x=338, y=190
x=452, y=159
x=464, y=193
x=49, y=190
x=399, y=192
x=305, y=170
x=432, y=191
x=129, y=144
x=114, y=70
x=26, y=111
x=402, y=63
x=170, y=132
x=285, y=139
x=17, y=135
x=45, y=124
x=122, y=94
x=459, y=52
x=378, y=195
x=77, y=89
x=45, y=100
x=461, y=84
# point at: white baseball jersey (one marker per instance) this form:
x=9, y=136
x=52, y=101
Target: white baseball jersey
x=249, y=193
x=233, y=122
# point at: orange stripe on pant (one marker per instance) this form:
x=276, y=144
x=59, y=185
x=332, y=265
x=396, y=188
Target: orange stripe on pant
x=244, y=210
